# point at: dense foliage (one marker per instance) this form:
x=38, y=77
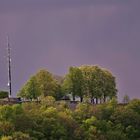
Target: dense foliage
x=90, y=81
x=3, y=94
x=53, y=120
x=49, y=118
x=42, y=84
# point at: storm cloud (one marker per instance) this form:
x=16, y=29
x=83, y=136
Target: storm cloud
x=56, y=34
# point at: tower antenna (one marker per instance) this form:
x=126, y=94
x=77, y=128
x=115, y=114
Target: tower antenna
x=9, y=67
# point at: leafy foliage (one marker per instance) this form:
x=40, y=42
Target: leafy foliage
x=31, y=89
x=91, y=81
x=53, y=120
x=41, y=84
x=3, y=94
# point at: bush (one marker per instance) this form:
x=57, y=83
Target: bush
x=3, y=94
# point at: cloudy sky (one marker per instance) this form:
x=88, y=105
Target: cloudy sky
x=56, y=34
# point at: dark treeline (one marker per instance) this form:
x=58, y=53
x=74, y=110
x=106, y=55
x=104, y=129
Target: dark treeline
x=54, y=120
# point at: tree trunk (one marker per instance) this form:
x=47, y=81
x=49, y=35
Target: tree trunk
x=100, y=100
x=104, y=98
x=81, y=99
x=96, y=100
x=73, y=97
x=92, y=100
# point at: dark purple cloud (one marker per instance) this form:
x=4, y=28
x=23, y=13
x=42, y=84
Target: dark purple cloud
x=56, y=34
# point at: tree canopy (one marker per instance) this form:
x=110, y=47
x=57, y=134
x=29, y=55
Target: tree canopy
x=41, y=84
x=53, y=120
x=92, y=81
x=3, y=94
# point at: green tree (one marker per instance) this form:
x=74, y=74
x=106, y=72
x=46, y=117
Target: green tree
x=79, y=113
x=6, y=128
x=99, y=83
x=92, y=81
x=109, y=88
x=134, y=105
x=17, y=136
x=116, y=135
x=6, y=113
x=3, y=94
x=73, y=83
x=47, y=101
x=41, y=84
x=31, y=89
x=88, y=81
x=126, y=99
x=47, y=84
x=51, y=126
x=21, y=136
x=89, y=126
x=129, y=119
x=104, y=111
x=6, y=138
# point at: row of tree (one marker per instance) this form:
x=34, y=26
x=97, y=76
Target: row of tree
x=93, y=82
x=90, y=81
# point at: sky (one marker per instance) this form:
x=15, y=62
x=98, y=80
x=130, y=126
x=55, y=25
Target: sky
x=57, y=34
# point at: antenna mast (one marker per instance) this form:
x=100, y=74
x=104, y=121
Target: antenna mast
x=9, y=66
